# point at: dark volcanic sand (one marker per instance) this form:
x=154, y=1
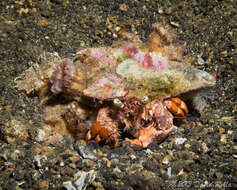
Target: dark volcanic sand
x=207, y=159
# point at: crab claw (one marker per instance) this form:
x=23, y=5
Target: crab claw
x=148, y=135
x=94, y=132
x=158, y=125
x=176, y=106
x=104, y=129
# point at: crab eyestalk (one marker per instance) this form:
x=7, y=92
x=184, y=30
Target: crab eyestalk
x=118, y=103
x=145, y=100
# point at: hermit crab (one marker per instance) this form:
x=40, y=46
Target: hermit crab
x=126, y=91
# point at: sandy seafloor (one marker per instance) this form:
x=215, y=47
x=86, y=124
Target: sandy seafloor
x=207, y=157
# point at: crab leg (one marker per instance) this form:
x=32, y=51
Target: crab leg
x=176, y=106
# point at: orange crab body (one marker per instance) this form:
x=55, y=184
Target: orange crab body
x=104, y=129
x=146, y=123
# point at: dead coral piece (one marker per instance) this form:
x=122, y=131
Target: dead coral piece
x=37, y=77
x=81, y=180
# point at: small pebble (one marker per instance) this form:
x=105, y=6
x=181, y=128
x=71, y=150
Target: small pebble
x=180, y=140
x=221, y=130
x=117, y=28
x=82, y=44
x=205, y=148
x=166, y=159
x=223, y=139
x=123, y=7
x=224, y=53
x=132, y=156
x=187, y=145
x=174, y=24
x=89, y=163
x=43, y=22
x=86, y=153
x=98, y=185
x=44, y=184
x=160, y=11
x=234, y=155
x=100, y=153
x=169, y=169
x=108, y=163
x=200, y=61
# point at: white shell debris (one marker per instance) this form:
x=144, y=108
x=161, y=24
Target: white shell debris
x=180, y=140
x=81, y=180
x=169, y=170
x=38, y=158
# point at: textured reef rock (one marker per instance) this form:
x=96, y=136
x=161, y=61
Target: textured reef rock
x=115, y=80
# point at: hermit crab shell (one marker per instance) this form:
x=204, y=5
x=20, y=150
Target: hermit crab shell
x=110, y=72
x=134, y=69
x=156, y=69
